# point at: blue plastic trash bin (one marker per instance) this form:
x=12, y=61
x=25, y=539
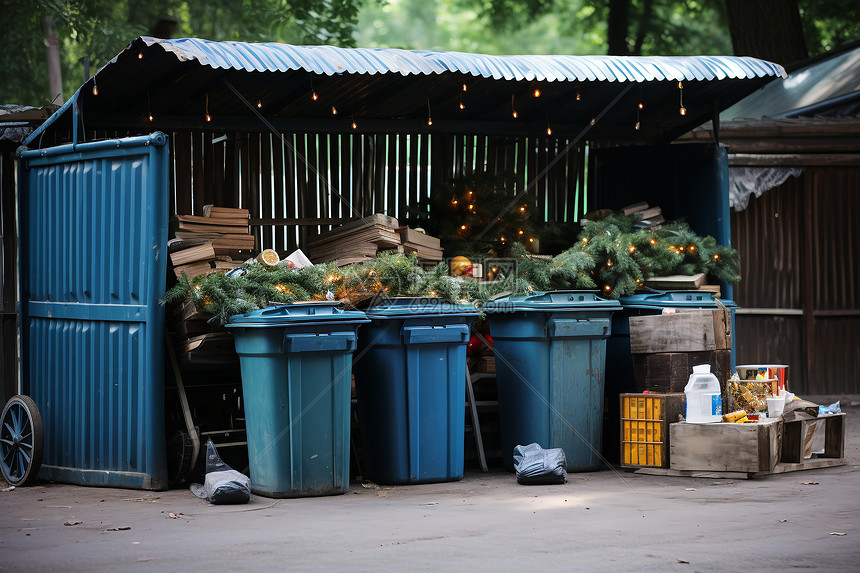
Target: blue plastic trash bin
x=550, y=356
x=619, y=359
x=296, y=363
x=410, y=373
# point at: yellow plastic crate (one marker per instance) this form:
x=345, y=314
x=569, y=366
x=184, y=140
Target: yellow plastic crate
x=645, y=420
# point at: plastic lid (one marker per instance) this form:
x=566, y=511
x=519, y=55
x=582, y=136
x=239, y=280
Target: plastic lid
x=557, y=299
x=424, y=305
x=677, y=298
x=297, y=313
x=701, y=368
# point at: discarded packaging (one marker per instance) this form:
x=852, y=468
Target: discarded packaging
x=222, y=484
x=537, y=466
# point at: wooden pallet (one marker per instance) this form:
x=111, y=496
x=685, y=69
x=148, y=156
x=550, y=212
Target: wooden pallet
x=743, y=451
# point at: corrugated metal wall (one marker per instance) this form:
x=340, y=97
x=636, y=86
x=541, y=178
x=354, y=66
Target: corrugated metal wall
x=799, y=246
x=93, y=250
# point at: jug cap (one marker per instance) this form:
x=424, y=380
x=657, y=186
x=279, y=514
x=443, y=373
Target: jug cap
x=701, y=368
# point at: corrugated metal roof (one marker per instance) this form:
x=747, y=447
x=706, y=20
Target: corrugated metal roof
x=330, y=60
x=179, y=82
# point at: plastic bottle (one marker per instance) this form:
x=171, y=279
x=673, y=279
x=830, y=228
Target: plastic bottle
x=704, y=399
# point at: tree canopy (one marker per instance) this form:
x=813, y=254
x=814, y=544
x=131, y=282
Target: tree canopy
x=99, y=29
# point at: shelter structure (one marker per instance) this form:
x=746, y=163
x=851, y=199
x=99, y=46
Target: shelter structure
x=307, y=137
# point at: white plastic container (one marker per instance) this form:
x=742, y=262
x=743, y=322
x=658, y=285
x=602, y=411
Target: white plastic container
x=704, y=399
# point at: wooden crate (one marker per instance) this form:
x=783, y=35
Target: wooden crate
x=668, y=372
x=727, y=448
x=797, y=437
x=645, y=420
x=684, y=331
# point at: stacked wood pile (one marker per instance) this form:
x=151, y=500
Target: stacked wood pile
x=645, y=213
x=216, y=241
x=362, y=239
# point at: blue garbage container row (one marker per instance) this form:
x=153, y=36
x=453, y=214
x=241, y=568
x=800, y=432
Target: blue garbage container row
x=550, y=358
x=296, y=364
x=410, y=372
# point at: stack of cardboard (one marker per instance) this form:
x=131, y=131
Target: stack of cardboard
x=423, y=245
x=217, y=241
x=356, y=241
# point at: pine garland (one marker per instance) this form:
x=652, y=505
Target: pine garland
x=611, y=254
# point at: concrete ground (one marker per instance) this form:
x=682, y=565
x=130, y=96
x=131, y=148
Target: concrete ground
x=604, y=521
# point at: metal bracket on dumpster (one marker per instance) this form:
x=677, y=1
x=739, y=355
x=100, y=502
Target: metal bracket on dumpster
x=327, y=342
x=433, y=334
x=570, y=327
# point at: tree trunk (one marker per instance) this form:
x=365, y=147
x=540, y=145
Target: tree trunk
x=52, y=53
x=617, y=25
x=767, y=29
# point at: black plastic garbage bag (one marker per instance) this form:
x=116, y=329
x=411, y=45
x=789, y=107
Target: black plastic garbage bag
x=222, y=484
x=537, y=466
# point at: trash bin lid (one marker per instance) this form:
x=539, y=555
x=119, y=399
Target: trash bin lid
x=552, y=300
x=425, y=305
x=297, y=313
x=673, y=298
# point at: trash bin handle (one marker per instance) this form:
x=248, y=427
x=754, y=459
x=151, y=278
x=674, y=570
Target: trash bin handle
x=324, y=342
x=451, y=333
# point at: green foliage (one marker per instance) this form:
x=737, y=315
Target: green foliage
x=100, y=29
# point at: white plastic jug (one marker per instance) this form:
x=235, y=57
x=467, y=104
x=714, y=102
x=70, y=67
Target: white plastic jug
x=704, y=399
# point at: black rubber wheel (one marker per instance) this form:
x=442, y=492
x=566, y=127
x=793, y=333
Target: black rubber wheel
x=180, y=452
x=21, y=440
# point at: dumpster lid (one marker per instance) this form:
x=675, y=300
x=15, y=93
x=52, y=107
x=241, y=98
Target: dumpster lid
x=425, y=305
x=298, y=312
x=558, y=299
x=673, y=298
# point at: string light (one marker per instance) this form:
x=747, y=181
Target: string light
x=208, y=117
x=520, y=231
x=653, y=241
x=607, y=288
x=140, y=55
x=95, y=87
x=333, y=110
x=430, y=115
x=585, y=240
x=631, y=249
x=548, y=128
x=259, y=104
x=462, y=105
x=513, y=107
x=454, y=201
x=639, y=108
x=683, y=110
x=148, y=107
x=523, y=209
x=536, y=93
x=578, y=96
x=531, y=240
x=314, y=95
x=716, y=257
x=465, y=88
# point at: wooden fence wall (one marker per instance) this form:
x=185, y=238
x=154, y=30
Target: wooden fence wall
x=298, y=184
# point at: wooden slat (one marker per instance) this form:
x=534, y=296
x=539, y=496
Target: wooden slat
x=280, y=205
x=182, y=167
x=414, y=195
x=198, y=186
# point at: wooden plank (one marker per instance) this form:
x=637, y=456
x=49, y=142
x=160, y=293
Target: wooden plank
x=267, y=235
x=279, y=209
x=691, y=282
x=681, y=332
x=402, y=176
x=198, y=187
x=182, y=167
x=811, y=464
x=723, y=447
x=693, y=474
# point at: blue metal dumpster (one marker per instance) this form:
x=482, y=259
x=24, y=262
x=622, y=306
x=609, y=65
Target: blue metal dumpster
x=550, y=357
x=619, y=360
x=410, y=377
x=93, y=251
x=296, y=363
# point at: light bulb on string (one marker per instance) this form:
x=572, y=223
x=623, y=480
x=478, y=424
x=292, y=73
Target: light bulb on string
x=95, y=87
x=259, y=104
x=208, y=117
x=333, y=110
x=683, y=110
x=513, y=107
x=639, y=108
x=462, y=105
x=548, y=128
x=429, y=114
x=536, y=92
x=578, y=96
x=314, y=95
x=148, y=107
x=140, y=55
x=465, y=88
